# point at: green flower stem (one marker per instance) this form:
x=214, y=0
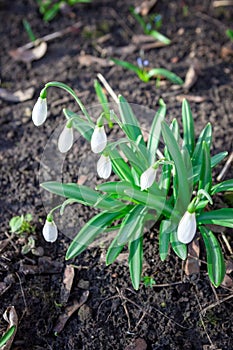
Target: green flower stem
x=50, y=214
x=72, y=93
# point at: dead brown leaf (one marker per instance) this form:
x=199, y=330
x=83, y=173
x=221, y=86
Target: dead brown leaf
x=11, y=317
x=18, y=96
x=29, y=55
x=68, y=312
x=227, y=282
x=67, y=284
x=192, y=263
x=191, y=76
x=88, y=60
x=229, y=266
x=145, y=7
x=227, y=51
x=138, y=344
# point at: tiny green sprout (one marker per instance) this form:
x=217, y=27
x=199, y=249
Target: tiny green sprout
x=172, y=186
x=150, y=25
x=145, y=74
x=229, y=34
x=22, y=224
x=148, y=281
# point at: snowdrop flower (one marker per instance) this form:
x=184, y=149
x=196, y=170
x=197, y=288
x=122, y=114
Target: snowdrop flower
x=104, y=167
x=39, y=112
x=50, y=232
x=187, y=227
x=147, y=178
x=66, y=139
x=98, y=139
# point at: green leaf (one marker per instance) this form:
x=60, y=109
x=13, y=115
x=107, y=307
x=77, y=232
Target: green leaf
x=183, y=191
x=165, y=179
x=83, y=127
x=179, y=248
x=119, y=166
x=188, y=125
x=135, y=261
x=222, y=187
x=16, y=223
x=217, y=158
x=102, y=98
x=205, y=181
x=160, y=37
x=113, y=251
x=215, y=261
x=126, y=65
x=90, y=230
x=206, y=135
x=222, y=217
x=131, y=224
x=130, y=122
x=166, y=74
x=155, y=131
x=136, y=159
x=175, y=130
x=83, y=195
x=7, y=336
x=164, y=239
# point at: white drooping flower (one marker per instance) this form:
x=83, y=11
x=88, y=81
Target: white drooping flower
x=147, y=178
x=50, y=232
x=98, y=139
x=66, y=139
x=39, y=112
x=104, y=167
x=187, y=228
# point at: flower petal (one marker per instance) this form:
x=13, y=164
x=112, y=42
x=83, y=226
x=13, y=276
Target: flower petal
x=98, y=139
x=187, y=228
x=39, y=112
x=66, y=140
x=147, y=178
x=104, y=167
x=50, y=232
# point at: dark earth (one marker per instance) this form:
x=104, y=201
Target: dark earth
x=171, y=314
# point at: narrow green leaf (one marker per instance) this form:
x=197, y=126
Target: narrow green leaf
x=164, y=239
x=215, y=261
x=130, y=122
x=90, y=230
x=126, y=65
x=179, y=248
x=135, y=261
x=83, y=194
x=183, y=191
x=160, y=37
x=222, y=187
x=119, y=166
x=135, y=159
x=113, y=251
x=102, y=98
x=166, y=74
x=155, y=131
x=222, y=217
x=188, y=125
x=206, y=135
x=131, y=223
x=217, y=158
x=7, y=336
x=165, y=179
x=175, y=129
x=205, y=181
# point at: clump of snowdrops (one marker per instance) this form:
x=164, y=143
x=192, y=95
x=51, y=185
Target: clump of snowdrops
x=172, y=185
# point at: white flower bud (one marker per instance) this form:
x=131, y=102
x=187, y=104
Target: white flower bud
x=50, y=232
x=187, y=228
x=66, y=140
x=147, y=178
x=104, y=167
x=98, y=139
x=39, y=112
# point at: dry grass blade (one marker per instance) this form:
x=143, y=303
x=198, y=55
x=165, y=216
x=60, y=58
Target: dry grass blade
x=11, y=317
x=68, y=279
x=17, y=96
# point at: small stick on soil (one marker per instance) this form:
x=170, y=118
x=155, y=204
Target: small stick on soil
x=227, y=243
x=22, y=291
x=123, y=299
x=107, y=87
x=225, y=168
x=202, y=322
x=220, y=3
x=216, y=304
